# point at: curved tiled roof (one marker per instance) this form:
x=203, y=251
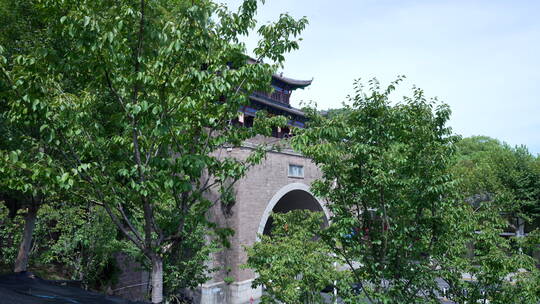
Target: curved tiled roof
x=277, y=105
x=295, y=83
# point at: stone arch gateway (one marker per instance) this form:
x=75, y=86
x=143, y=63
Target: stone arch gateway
x=279, y=184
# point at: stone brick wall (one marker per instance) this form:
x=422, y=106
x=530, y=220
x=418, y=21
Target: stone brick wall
x=133, y=282
x=253, y=193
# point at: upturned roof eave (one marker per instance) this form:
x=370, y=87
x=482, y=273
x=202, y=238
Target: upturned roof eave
x=278, y=106
x=295, y=83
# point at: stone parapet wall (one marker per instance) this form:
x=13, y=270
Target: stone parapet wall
x=133, y=281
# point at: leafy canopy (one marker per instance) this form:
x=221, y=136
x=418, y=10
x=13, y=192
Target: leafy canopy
x=293, y=264
x=392, y=200
x=136, y=102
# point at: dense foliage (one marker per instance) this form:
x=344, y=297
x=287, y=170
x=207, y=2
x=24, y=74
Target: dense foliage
x=135, y=106
x=494, y=171
x=393, y=203
x=403, y=224
x=501, y=185
x=292, y=263
x=69, y=243
x=115, y=116
x=30, y=174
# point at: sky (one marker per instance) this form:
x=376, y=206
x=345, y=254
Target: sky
x=480, y=57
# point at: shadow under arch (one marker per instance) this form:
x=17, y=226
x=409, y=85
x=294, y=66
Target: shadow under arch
x=293, y=196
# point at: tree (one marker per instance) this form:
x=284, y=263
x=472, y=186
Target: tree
x=395, y=212
x=70, y=241
x=400, y=220
x=331, y=113
x=156, y=84
x=494, y=171
x=54, y=228
x=293, y=264
x=29, y=175
x=498, y=181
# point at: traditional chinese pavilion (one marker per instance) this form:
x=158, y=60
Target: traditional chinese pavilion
x=276, y=103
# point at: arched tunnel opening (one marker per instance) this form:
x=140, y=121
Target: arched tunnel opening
x=295, y=200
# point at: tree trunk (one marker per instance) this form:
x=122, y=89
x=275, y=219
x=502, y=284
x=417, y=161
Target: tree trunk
x=157, y=279
x=21, y=263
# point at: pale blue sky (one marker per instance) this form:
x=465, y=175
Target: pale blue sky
x=480, y=57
